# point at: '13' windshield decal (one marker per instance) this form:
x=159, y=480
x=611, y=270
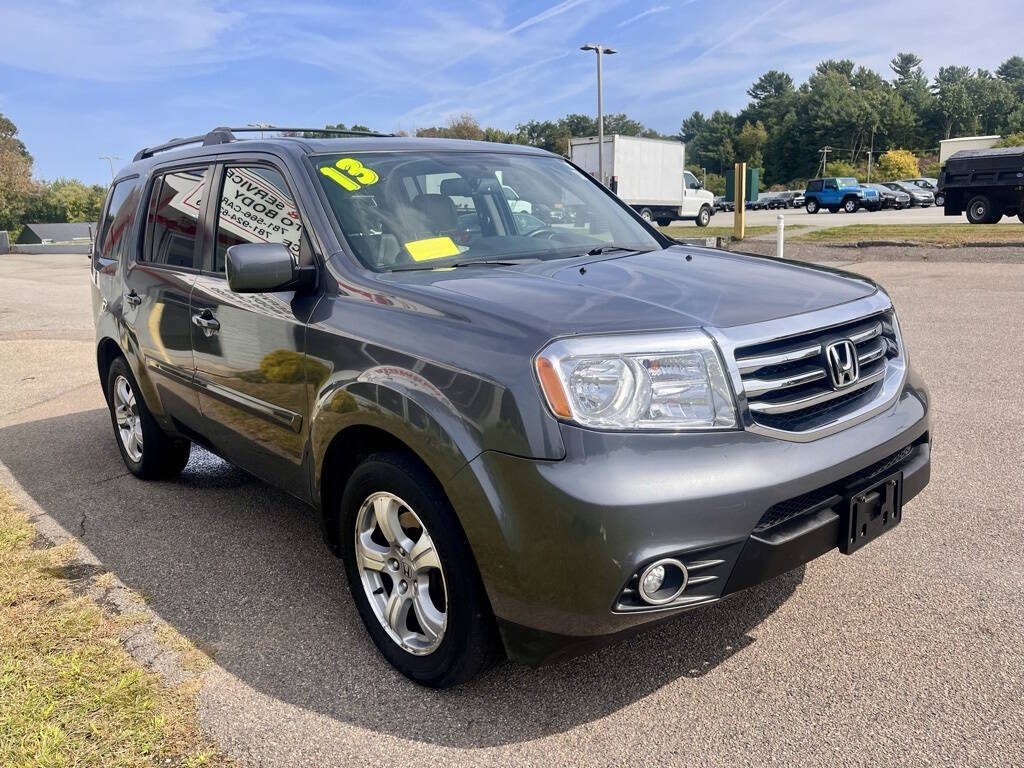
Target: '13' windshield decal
x=350, y=174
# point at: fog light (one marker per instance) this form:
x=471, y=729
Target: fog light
x=662, y=581
x=654, y=578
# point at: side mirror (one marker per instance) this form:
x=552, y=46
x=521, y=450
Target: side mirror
x=265, y=268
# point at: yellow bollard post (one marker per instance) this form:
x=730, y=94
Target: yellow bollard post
x=739, y=216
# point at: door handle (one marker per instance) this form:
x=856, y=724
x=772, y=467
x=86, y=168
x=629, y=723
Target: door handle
x=206, y=321
x=133, y=298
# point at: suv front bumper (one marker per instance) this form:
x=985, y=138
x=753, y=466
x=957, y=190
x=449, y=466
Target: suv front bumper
x=557, y=542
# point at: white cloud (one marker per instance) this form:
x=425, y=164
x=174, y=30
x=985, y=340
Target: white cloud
x=114, y=41
x=642, y=15
x=550, y=13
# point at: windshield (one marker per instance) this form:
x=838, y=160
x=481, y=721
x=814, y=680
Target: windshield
x=401, y=210
x=846, y=182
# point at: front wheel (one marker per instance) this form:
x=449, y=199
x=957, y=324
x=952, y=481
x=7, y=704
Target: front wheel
x=812, y=206
x=147, y=451
x=704, y=217
x=412, y=574
x=940, y=200
x=850, y=205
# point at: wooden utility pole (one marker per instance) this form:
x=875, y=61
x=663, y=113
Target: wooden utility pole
x=739, y=215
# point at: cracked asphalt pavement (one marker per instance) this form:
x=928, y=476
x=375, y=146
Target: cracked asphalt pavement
x=910, y=652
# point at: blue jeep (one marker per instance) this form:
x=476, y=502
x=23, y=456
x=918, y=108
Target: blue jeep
x=842, y=192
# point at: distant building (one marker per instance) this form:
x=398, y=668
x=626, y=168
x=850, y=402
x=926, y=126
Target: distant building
x=948, y=146
x=42, y=234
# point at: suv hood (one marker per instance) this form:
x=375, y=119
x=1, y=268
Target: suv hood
x=677, y=287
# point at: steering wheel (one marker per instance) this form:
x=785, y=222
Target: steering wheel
x=545, y=232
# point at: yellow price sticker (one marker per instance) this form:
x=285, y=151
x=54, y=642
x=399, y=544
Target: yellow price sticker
x=432, y=248
x=350, y=174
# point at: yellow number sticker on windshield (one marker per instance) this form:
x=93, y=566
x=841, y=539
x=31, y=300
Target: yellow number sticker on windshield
x=432, y=248
x=350, y=174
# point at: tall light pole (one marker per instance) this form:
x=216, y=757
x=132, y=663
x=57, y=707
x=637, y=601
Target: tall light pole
x=871, y=152
x=110, y=159
x=599, y=49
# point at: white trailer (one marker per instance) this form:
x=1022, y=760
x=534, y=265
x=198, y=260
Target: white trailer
x=647, y=175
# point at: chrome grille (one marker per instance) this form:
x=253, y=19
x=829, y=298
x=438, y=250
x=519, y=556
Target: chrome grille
x=787, y=382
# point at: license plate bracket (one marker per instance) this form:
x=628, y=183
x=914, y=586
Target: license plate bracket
x=871, y=512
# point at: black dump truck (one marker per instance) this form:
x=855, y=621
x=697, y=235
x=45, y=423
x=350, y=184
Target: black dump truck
x=986, y=183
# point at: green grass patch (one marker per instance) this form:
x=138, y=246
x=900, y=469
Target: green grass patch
x=70, y=695
x=931, y=234
x=692, y=230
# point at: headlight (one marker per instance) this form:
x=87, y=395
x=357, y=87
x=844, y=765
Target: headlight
x=666, y=381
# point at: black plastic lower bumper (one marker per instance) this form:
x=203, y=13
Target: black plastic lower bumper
x=812, y=534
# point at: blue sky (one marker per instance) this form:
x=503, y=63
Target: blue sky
x=84, y=79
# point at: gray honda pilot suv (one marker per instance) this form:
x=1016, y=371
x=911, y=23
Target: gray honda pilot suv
x=528, y=420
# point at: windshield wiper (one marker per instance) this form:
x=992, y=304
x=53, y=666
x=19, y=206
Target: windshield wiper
x=456, y=264
x=602, y=249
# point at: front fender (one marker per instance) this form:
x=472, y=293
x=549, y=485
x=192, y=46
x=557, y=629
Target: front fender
x=401, y=403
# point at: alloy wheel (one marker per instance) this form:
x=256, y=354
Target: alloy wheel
x=129, y=423
x=401, y=573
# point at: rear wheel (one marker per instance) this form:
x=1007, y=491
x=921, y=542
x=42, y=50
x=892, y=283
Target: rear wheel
x=412, y=574
x=704, y=217
x=979, y=210
x=940, y=200
x=646, y=214
x=664, y=221
x=147, y=451
x=812, y=206
x=1021, y=217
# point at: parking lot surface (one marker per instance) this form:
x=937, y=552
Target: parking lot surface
x=910, y=652
x=824, y=219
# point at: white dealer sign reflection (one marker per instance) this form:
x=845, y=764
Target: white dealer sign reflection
x=250, y=207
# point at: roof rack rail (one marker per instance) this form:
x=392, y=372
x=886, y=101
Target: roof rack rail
x=275, y=128
x=224, y=135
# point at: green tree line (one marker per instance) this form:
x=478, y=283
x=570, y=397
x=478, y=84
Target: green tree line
x=24, y=200
x=853, y=109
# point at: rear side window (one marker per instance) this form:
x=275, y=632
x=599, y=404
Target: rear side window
x=814, y=186
x=257, y=207
x=173, y=213
x=118, y=221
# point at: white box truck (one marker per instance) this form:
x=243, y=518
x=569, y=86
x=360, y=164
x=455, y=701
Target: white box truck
x=647, y=175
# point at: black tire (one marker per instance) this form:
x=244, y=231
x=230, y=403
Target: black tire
x=940, y=200
x=850, y=205
x=470, y=642
x=647, y=214
x=979, y=210
x=664, y=221
x=1021, y=217
x=161, y=457
x=703, y=217
x=811, y=206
